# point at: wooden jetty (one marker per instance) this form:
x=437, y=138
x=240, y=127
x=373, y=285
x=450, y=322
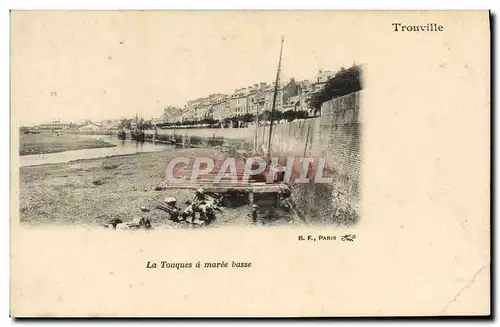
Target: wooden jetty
x=210, y=184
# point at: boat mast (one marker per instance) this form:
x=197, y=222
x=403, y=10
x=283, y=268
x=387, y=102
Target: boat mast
x=274, y=100
x=255, y=144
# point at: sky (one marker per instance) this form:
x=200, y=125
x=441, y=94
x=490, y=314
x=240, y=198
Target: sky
x=109, y=64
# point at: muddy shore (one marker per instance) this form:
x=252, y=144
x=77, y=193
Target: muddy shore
x=89, y=192
x=47, y=142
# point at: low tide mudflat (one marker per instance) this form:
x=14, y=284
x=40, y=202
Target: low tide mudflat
x=89, y=192
x=47, y=142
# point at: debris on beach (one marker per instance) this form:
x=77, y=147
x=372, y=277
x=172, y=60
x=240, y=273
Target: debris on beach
x=205, y=208
x=160, y=188
x=113, y=223
x=98, y=182
x=200, y=211
x=111, y=166
x=135, y=224
x=138, y=222
x=144, y=209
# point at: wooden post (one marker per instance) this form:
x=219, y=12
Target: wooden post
x=256, y=144
x=282, y=136
x=307, y=140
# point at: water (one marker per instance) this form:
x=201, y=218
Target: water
x=122, y=147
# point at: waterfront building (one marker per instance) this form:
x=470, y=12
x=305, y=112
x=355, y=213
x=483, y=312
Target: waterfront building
x=171, y=114
x=238, y=103
x=159, y=120
x=264, y=99
x=221, y=108
x=90, y=128
x=55, y=125
x=251, y=100
x=321, y=78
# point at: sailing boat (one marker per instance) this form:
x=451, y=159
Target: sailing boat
x=273, y=108
x=276, y=85
x=267, y=153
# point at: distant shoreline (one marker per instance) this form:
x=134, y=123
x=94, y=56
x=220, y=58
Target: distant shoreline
x=30, y=144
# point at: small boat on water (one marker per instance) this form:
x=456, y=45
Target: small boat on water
x=122, y=135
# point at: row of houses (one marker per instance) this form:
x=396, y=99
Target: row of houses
x=87, y=126
x=250, y=100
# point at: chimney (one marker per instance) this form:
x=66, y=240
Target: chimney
x=263, y=86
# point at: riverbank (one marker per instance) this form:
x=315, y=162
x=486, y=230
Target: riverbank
x=89, y=192
x=52, y=143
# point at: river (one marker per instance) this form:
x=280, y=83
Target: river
x=122, y=147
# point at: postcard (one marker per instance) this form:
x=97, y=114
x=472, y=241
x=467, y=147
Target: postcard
x=250, y=163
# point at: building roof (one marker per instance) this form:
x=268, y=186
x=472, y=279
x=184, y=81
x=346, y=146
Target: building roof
x=90, y=126
x=55, y=123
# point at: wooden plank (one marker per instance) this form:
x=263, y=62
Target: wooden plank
x=211, y=185
x=224, y=189
x=221, y=183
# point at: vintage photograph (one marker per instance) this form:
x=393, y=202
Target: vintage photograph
x=250, y=163
x=139, y=120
